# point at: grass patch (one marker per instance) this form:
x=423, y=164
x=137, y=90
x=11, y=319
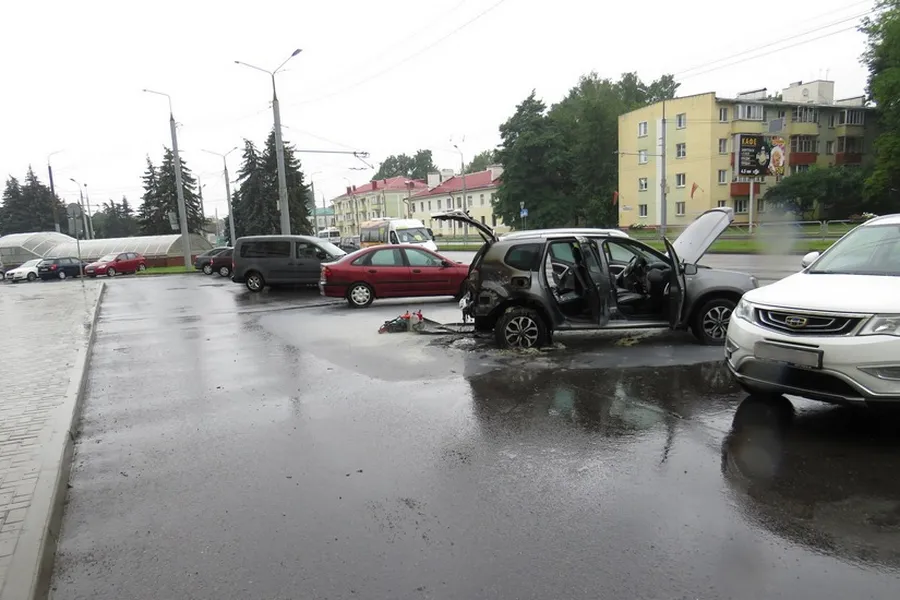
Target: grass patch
x=175, y=270
x=459, y=247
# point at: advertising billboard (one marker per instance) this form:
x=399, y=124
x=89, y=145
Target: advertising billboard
x=759, y=155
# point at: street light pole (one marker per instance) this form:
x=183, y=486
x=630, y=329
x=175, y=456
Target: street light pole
x=53, y=191
x=227, y=191
x=663, y=209
x=84, y=215
x=312, y=192
x=179, y=185
x=465, y=199
x=279, y=146
x=90, y=217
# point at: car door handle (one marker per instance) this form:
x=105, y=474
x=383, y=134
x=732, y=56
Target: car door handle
x=417, y=270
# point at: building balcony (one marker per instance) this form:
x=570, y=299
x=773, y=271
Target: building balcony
x=849, y=130
x=798, y=128
x=742, y=188
x=848, y=158
x=802, y=158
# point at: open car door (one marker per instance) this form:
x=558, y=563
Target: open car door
x=677, y=287
x=597, y=270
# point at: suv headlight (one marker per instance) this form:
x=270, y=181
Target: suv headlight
x=882, y=325
x=743, y=310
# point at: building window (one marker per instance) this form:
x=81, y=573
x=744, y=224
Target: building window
x=849, y=145
x=831, y=120
x=429, y=205
x=741, y=205
x=760, y=205
x=469, y=200
x=681, y=120
x=829, y=147
x=642, y=157
x=482, y=219
x=493, y=220
x=680, y=179
x=439, y=204
x=723, y=145
x=723, y=115
x=680, y=150
x=805, y=114
x=642, y=210
x=720, y=203
x=642, y=184
x=804, y=143
x=679, y=209
x=421, y=206
x=459, y=202
x=481, y=200
x=799, y=169
x=642, y=129
x=751, y=112
x=851, y=117
x=723, y=176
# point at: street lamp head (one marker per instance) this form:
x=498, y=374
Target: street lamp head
x=296, y=52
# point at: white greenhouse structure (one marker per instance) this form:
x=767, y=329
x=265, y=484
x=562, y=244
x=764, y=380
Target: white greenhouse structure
x=18, y=248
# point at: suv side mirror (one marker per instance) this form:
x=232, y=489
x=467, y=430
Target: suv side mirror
x=430, y=233
x=809, y=259
x=321, y=254
x=690, y=269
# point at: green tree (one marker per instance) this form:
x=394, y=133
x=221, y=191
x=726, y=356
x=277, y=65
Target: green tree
x=298, y=191
x=882, y=58
x=254, y=206
x=823, y=193
x=482, y=161
x=151, y=217
x=160, y=198
x=115, y=220
x=401, y=165
x=30, y=207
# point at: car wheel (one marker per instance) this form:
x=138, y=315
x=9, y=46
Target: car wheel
x=207, y=269
x=110, y=272
x=255, y=281
x=360, y=295
x=31, y=277
x=224, y=271
x=521, y=328
x=710, y=325
x=62, y=274
x=142, y=267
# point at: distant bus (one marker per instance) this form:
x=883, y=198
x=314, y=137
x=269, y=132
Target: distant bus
x=329, y=233
x=396, y=231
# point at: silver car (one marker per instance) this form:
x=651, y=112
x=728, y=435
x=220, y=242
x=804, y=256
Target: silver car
x=529, y=284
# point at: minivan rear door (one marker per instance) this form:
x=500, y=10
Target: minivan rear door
x=677, y=286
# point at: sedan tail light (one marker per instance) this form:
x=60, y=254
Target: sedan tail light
x=52, y=267
x=326, y=273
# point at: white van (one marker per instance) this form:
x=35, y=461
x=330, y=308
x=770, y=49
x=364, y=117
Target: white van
x=332, y=234
x=396, y=231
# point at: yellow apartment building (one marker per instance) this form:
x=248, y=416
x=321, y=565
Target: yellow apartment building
x=700, y=136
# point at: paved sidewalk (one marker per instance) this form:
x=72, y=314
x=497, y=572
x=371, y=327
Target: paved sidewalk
x=45, y=332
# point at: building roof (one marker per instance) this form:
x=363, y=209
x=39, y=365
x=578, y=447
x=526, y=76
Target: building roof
x=392, y=184
x=474, y=181
x=20, y=247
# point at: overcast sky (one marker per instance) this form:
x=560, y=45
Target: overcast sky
x=386, y=76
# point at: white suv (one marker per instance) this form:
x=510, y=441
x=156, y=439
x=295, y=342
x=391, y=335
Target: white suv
x=832, y=331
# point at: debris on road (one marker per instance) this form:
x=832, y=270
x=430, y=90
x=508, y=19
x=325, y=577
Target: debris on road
x=414, y=321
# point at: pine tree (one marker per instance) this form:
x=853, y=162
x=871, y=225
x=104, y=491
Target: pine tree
x=169, y=197
x=151, y=218
x=252, y=201
x=14, y=214
x=298, y=192
x=29, y=207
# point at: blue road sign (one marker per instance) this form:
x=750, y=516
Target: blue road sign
x=523, y=213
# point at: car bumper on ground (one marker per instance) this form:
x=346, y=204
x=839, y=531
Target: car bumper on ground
x=332, y=290
x=840, y=369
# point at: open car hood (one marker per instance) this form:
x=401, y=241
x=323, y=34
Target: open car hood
x=461, y=216
x=697, y=237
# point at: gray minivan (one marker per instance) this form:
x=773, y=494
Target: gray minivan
x=261, y=260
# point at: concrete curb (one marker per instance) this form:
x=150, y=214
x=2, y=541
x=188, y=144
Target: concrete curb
x=32, y=563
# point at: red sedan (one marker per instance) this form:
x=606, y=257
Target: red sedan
x=394, y=271
x=113, y=264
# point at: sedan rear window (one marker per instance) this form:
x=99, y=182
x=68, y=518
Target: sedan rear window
x=266, y=249
x=524, y=257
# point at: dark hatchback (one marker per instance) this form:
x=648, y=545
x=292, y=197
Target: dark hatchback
x=221, y=263
x=59, y=268
x=203, y=262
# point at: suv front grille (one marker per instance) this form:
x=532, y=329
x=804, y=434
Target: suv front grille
x=802, y=323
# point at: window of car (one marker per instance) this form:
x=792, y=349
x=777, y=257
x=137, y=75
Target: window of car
x=622, y=253
x=307, y=250
x=420, y=258
x=562, y=251
x=386, y=258
x=868, y=250
x=524, y=257
x=266, y=249
x=226, y=252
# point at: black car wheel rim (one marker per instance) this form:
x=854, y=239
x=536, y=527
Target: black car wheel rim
x=521, y=332
x=253, y=282
x=715, y=322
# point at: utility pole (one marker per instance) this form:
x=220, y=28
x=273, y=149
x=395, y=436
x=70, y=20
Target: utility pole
x=663, y=187
x=84, y=215
x=53, y=192
x=312, y=193
x=227, y=190
x=465, y=199
x=279, y=147
x=202, y=210
x=90, y=217
x=179, y=185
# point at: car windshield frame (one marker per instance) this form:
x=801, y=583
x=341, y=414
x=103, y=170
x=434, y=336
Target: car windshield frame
x=879, y=249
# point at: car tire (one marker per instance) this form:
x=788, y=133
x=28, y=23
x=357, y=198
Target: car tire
x=255, y=281
x=142, y=267
x=521, y=328
x=207, y=269
x=710, y=323
x=31, y=277
x=62, y=275
x=224, y=271
x=360, y=295
x=110, y=272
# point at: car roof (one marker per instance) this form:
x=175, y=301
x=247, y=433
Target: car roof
x=884, y=220
x=276, y=238
x=564, y=231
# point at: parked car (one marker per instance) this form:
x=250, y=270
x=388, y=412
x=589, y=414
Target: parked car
x=114, y=264
x=830, y=332
x=59, y=268
x=528, y=286
x=27, y=271
x=221, y=263
x=203, y=262
x=395, y=271
x=262, y=260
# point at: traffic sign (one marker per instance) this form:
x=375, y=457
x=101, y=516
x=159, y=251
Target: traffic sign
x=74, y=210
x=523, y=213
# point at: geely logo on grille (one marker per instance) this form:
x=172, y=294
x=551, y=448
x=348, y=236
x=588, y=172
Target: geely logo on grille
x=795, y=322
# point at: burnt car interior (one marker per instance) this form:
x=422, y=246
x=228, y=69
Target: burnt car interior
x=640, y=279
x=571, y=277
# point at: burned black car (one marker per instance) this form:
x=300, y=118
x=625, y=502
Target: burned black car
x=526, y=286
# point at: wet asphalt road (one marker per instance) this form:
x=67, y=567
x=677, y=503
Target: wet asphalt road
x=238, y=446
